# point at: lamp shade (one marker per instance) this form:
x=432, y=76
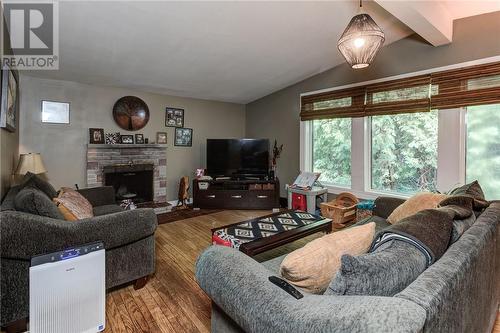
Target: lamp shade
x=361, y=41
x=31, y=162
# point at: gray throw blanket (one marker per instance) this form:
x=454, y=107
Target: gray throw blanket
x=428, y=230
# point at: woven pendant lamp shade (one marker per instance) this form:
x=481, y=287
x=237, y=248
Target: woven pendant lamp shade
x=361, y=41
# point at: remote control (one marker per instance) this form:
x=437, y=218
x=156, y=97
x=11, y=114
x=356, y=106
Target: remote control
x=286, y=286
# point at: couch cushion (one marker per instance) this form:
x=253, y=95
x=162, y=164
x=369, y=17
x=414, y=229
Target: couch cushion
x=415, y=204
x=107, y=209
x=8, y=201
x=385, y=272
x=33, y=201
x=73, y=205
x=460, y=226
x=30, y=179
x=313, y=266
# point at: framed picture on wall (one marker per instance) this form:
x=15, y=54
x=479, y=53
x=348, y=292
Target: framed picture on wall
x=9, y=95
x=161, y=138
x=183, y=137
x=174, y=117
x=55, y=112
x=96, y=135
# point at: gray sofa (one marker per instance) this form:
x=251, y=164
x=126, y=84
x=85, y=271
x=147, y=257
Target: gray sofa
x=128, y=237
x=458, y=293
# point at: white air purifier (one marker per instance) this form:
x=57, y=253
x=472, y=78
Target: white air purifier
x=67, y=291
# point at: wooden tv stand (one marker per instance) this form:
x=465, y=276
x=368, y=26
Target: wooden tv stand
x=237, y=194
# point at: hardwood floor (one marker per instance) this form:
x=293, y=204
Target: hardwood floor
x=172, y=301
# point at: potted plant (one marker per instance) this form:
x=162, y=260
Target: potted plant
x=276, y=155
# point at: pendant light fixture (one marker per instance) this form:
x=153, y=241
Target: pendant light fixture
x=361, y=40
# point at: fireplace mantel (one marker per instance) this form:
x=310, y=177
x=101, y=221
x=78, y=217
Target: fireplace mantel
x=100, y=156
x=123, y=145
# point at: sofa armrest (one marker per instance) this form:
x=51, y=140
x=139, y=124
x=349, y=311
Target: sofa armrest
x=99, y=196
x=240, y=287
x=384, y=206
x=25, y=235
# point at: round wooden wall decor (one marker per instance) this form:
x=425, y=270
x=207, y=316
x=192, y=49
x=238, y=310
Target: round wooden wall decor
x=131, y=113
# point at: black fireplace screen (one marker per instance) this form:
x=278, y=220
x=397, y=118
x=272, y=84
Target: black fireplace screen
x=134, y=181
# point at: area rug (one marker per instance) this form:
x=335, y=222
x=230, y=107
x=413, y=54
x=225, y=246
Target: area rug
x=183, y=214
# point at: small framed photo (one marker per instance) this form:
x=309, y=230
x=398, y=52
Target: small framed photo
x=112, y=138
x=96, y=135
x=127, y=139
x=183, y=137
x=174, y=117
x=139, y=138
x=161, y=138
x=55, y=112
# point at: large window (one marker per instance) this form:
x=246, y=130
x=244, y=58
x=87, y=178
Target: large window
x=387, y=135
x=404, y=152
x=331, y=150
x=483, y=148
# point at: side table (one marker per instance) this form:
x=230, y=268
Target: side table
x=310, y=197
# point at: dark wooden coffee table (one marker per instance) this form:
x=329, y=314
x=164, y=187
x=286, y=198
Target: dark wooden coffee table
x=263, y=244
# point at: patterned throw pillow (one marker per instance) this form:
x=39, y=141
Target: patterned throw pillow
x=313, y=266
x=73, y=205
x=415, y=204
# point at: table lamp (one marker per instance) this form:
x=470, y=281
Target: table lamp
x=31, y=162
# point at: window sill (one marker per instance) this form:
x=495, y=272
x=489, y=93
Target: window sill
x=367, y=195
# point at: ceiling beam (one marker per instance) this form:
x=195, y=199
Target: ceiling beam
x=428, y=19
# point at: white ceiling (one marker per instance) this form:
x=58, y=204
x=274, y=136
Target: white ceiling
x=227, y=51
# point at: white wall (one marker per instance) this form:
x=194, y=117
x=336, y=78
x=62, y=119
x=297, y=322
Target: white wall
x=63, y=147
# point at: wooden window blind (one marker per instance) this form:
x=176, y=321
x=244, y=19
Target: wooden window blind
x=398, y=96
x=474, y=85
x=337, y=104
x=469, y=86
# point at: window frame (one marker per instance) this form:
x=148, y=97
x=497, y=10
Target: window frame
x=453, y=162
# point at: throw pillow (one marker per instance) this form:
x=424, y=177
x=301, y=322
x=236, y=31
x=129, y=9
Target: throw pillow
x=474, y=191
x=384, y=272
x=33, y=201
x=313, y=266
x=30, y=179
x=415, y=204
x=73, y=205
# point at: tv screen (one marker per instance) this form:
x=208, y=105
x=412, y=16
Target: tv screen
x=237, y=157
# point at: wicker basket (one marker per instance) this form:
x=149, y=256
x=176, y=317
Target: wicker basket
x=342, y=210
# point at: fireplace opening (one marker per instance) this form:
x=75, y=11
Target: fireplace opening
x=131, y=181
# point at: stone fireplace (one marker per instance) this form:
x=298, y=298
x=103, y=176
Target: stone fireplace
x=138, y=172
